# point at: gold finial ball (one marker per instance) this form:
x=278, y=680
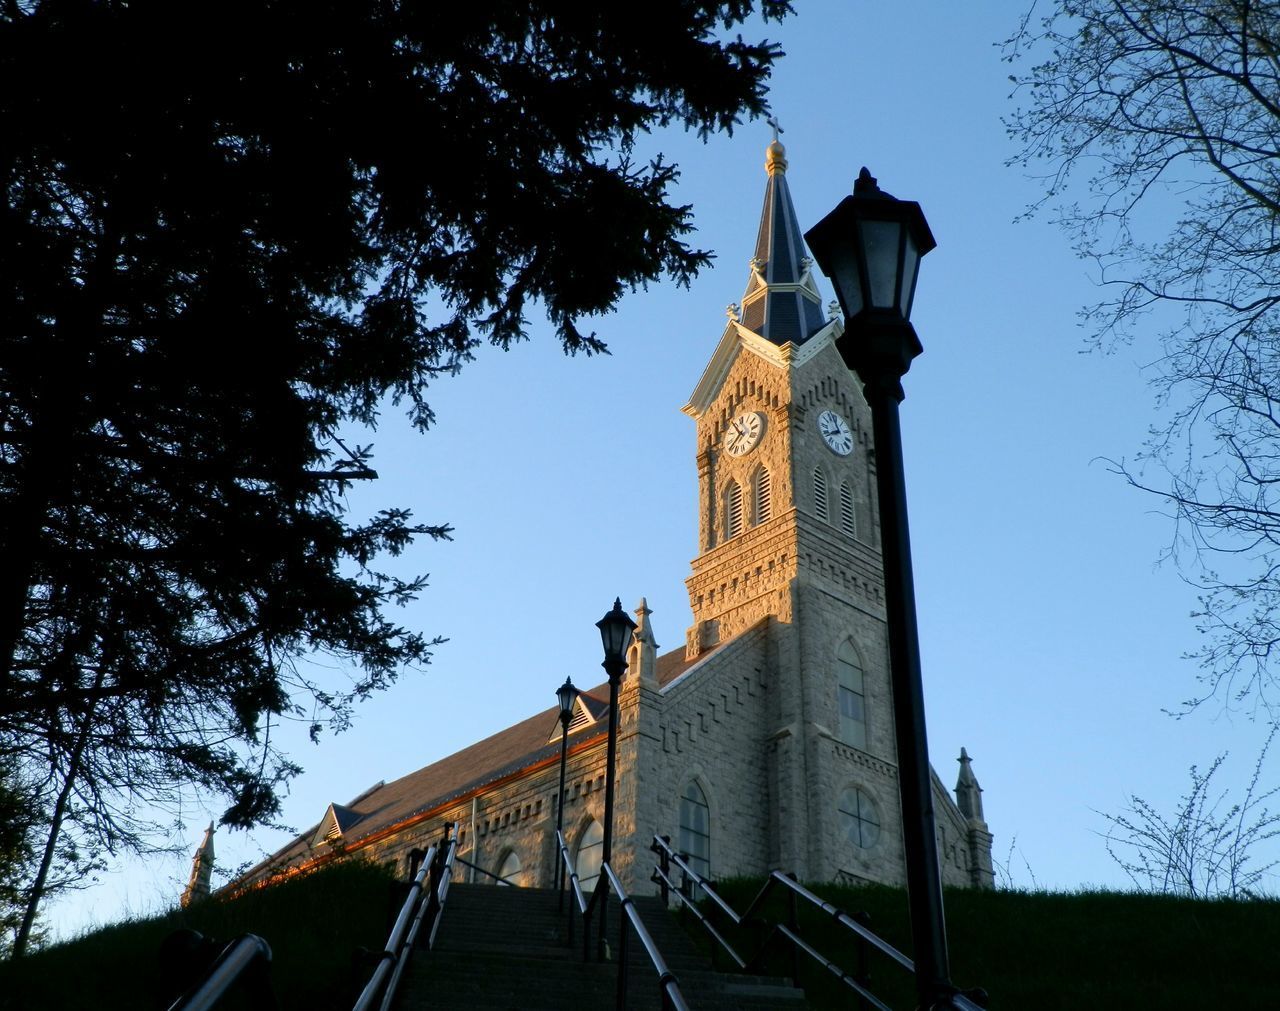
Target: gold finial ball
x=775, y=158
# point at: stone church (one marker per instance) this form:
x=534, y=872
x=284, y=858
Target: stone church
x=766, y=740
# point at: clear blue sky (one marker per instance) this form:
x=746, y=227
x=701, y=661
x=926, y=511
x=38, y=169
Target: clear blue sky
x=1052, y=639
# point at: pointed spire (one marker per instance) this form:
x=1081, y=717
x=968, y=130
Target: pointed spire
x=644, y=648
x=781, y=303
x=968, y=792
x=201, y=870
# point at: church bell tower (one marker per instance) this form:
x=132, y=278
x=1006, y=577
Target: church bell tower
x=788, y=535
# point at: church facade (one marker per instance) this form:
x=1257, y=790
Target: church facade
x=766, y=740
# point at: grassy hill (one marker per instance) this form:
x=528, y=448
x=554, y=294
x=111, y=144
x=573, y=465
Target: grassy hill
x=314, y=924
x=1029, y=950
x=1047, y=951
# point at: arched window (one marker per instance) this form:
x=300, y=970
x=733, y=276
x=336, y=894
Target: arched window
x=590, y=856
x=820, y=495
x=760, y=495
x=695, y=829
x=510, y=869
x=851, y=697
x=732, y=510
x=859, y=818
x=846, y=508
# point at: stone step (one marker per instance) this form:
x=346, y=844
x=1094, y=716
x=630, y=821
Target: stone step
x=505, y=948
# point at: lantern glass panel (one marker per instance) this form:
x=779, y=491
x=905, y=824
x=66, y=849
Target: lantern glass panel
x=615, y=634
x=565, y=695
x=880, y=238
x=910, y=263
x=846, y=278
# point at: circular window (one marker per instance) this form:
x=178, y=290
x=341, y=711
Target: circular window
x=859, y=819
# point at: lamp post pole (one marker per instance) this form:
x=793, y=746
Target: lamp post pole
x=870, y=246
x=565, y=696
x=924, y=873
x=615, y=634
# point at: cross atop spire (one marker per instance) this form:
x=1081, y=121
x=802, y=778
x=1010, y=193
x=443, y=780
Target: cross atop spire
x=777, y=127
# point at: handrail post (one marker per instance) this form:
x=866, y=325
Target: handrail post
x=433, y=885
x=572, y=904
x=793, y=921
x=622, y=954
x=863, y=978
x=664, y=863
x=715, y=948
x=602, y=887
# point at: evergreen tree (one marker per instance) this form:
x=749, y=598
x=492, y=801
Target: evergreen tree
x=224, y=227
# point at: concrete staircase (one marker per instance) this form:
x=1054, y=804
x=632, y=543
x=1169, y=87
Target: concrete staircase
x=504, y=948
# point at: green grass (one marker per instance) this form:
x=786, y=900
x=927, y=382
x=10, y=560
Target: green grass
x=1045, y=951
x=1041, y=951
x=314, y=925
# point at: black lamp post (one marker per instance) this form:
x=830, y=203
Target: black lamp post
x=615, y=634
x=870, y=246
x=566, y=695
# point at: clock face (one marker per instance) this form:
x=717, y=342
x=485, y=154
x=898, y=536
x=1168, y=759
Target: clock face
x=744, y=432
x=835, y=433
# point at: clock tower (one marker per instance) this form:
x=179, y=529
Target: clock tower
x=789, y=538
x=765, y=741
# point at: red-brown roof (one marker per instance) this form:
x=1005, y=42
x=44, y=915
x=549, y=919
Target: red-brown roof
x=496, y=757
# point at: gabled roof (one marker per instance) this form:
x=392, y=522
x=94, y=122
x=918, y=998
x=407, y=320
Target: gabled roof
x=333, y=826
x=390, y=806
x=587, y=710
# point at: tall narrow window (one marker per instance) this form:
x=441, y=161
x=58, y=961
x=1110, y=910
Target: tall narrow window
x=851, y=697
x=510, y=869
x=760, y=494
x=820, y=495
x=590, y=856
x=733, y=510
x=695, y=829
x=846, y=508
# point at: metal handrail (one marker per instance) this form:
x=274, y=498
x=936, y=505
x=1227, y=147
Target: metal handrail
x=391, y=954
x=233, y=960
x=442, y=893
x=477, y=867
x=575, y=885
x=424, y=903
x=585, y=907
x=662, y=846
x=669, y=885
x=668, y=984
x=429, y=905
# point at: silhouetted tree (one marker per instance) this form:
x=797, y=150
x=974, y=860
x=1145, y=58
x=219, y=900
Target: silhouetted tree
x=18, y=818
x=229, y=232
x=1208, y=847
x=1173, y=112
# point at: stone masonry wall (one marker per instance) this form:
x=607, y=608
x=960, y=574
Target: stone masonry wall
x=711, y=727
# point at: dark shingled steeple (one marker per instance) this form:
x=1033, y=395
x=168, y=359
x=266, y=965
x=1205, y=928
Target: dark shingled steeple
x=781, y=303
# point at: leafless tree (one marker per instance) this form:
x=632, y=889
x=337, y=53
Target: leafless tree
x=1208, y=847
x=1171, y=112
